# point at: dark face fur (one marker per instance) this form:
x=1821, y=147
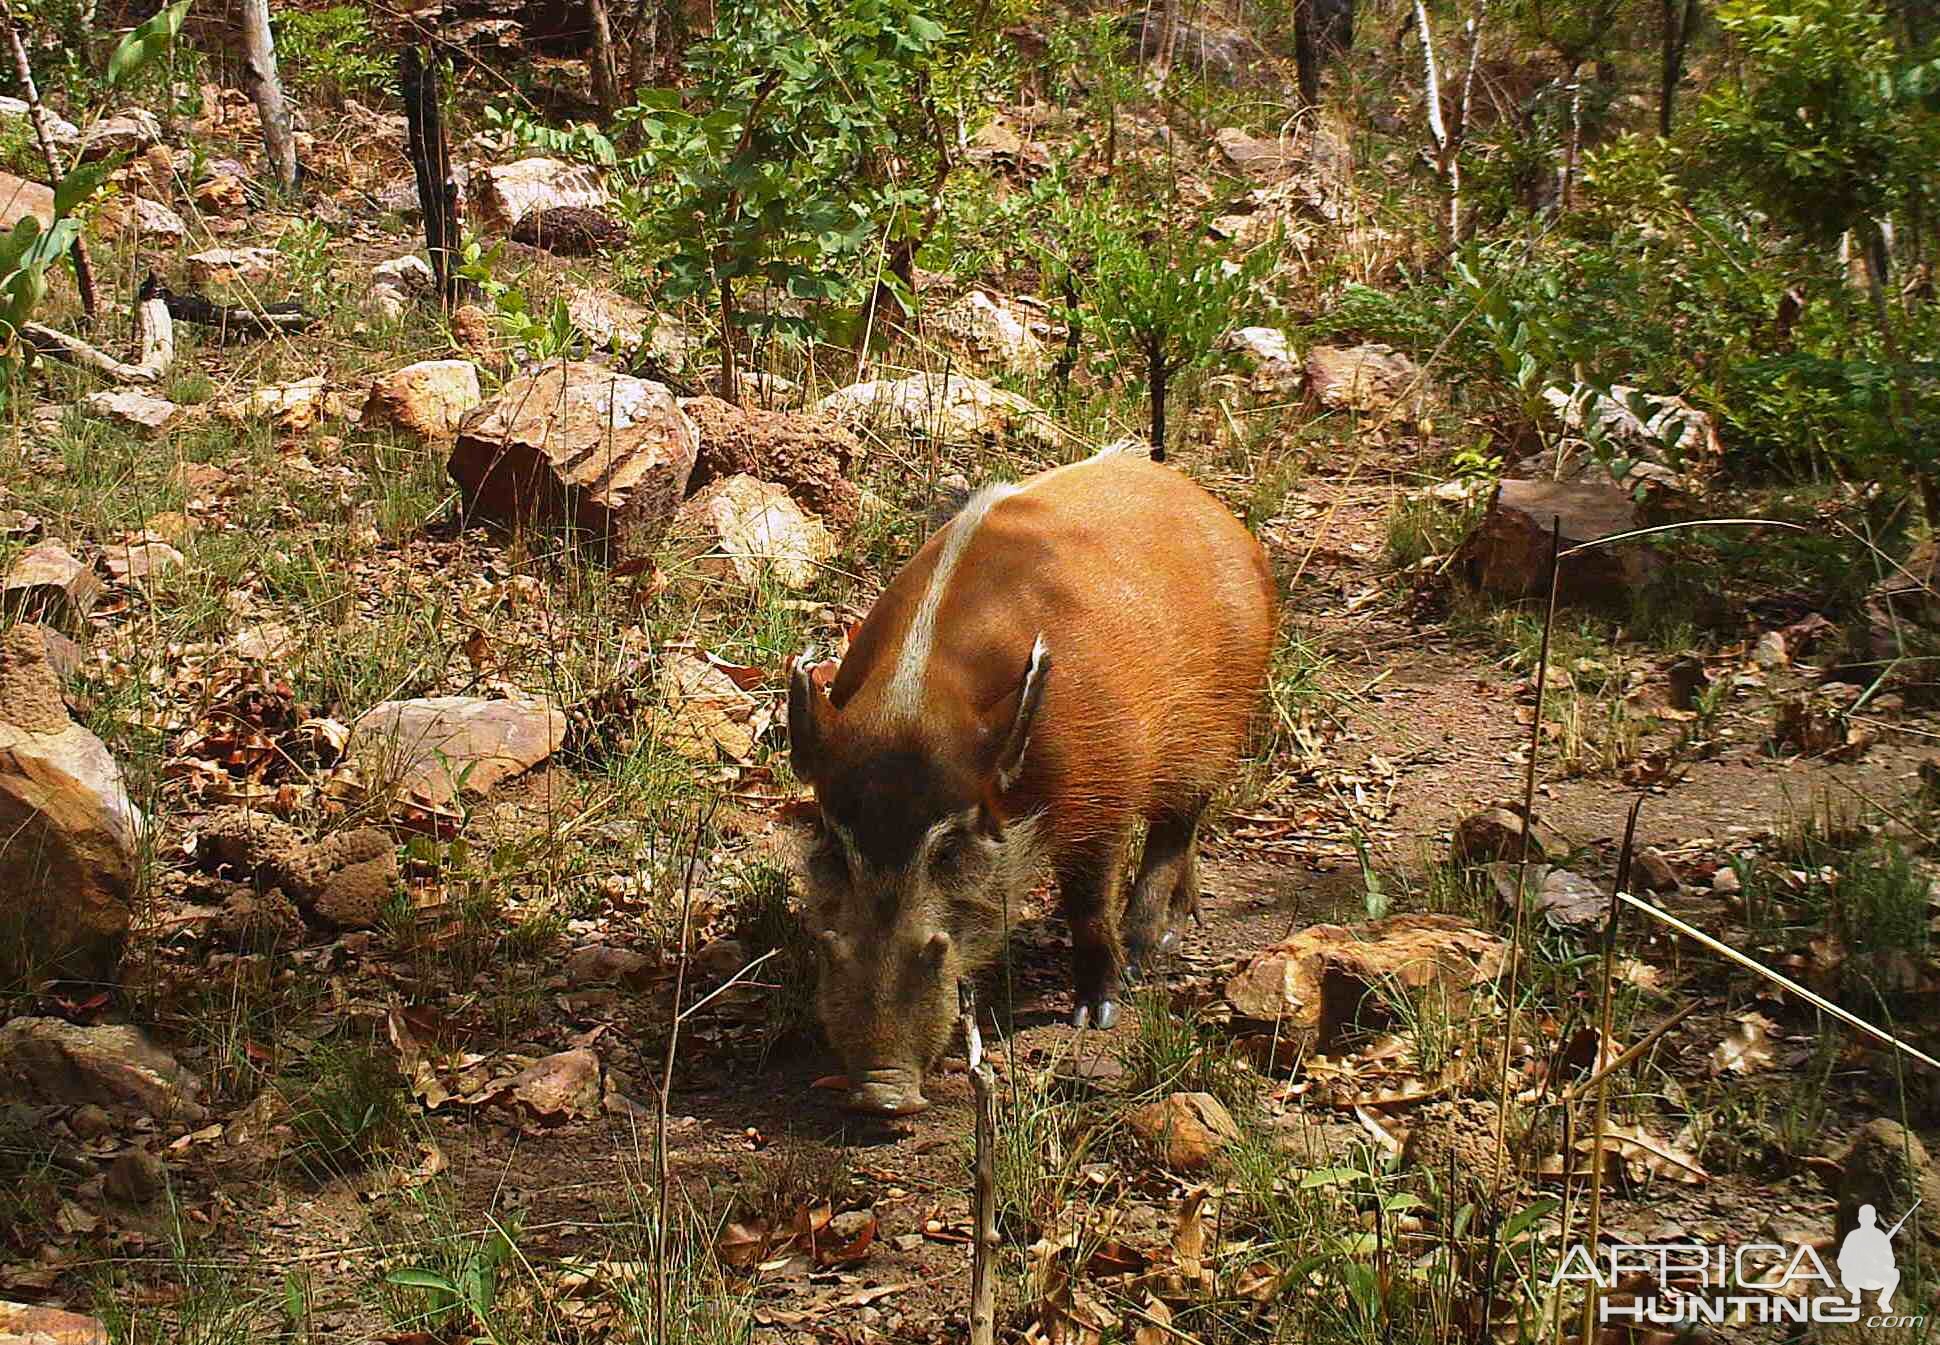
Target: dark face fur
x=900, y=882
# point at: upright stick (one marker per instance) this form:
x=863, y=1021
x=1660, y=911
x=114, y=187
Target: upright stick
x=983, y=1198
x=266, y=91
x=431, y=161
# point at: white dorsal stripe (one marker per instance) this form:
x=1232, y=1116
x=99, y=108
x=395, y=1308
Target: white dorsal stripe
x=904, y=698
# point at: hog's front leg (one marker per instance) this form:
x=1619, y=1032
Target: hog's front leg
x=1088, y=884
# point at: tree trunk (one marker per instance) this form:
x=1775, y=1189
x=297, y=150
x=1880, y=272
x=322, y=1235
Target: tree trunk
x=605, y=66
x=730, y=375
x=23, y=68
x=266, y=89
x=1678, y=27
x=1572, y=143
x=1156, y=375
x=1306, y=52
x=431, y=160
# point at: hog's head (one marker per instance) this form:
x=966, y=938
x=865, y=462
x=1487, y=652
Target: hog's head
x=908, y=866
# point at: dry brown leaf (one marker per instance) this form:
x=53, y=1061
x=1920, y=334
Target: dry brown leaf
x=1746, y=1047
x=1189, y=1234
x=1154, y=1318
x=414, y=1064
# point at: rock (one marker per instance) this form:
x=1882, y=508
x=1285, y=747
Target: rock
x=133, y=408
x=1769, y=653
x=137, y=215
x=113, y=1066
x=1652, y=872
x=24, y=1324
x=1508, y=553
x=63, y=655
x=719, y=959
x=221, y=194
x=90, y=1122
x=264, y=642
x=1213, y=51
x=992, y=333
x=597, y=962
x=1187, y=1131
x=508, y=193
x=46, y=583
x=21, y=197
x=292, y=407
x=136, y=1177
x=399, y=285
x=69, y=835
x=1456, y=1140
x=565, y=1086
x=948, y=408
x=1725, y=881
x=752, y=530
x=232, y=266
x=1260, y=159
x=569, y=231
x=140, y=558
x=708, y=717
x=1369, y=378
x=1886, y=1166
x=440, y=746
x=1266, y=349
x=1495, y=835
x=1326, y=976
x=129, y=133
x=608, y=454
x=343, y=880
x=471, y=331
x=1569, y=900
x=617, y=323
x=428, y=398
x=64, y=133
x=810, y=455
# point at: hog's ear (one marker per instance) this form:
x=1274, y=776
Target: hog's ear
x=1010, y=757
x=809, y=719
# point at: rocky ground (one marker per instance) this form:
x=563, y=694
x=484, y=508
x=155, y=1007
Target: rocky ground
x=390, y=764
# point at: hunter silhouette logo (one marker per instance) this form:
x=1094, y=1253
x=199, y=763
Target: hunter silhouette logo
x=1866, y=1258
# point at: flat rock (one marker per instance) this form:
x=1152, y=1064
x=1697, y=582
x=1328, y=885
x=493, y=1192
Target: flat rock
x=128, y=132
x=64, y=133
x=1367, y=378
x=22, y=197
x=810, y=455
x=399, y=285
x=1186, y=1130
x=133, y=408
x=1255, y=156
x=140, y=558
x=599, y=962
x=115, y=1066
x=1316, y=982
x=69, y=834
x=754, y=531
x=1266, y=350
x=437, y=747
x=25, y=1324
x=946, y=408
x=507, y=193
x=291, y=407
x=1508, y=554
x=577, y=444
x=427, y=399
x=46, y=583
x=232, y=266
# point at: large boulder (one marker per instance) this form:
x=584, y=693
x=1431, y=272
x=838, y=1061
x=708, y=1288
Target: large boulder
x=1366, y=378
x=993, y=333
x=1327, y=977
x=68, y=831
x=59, y=1062
x=428, y=399
x=439, y=747
x=1508, y=553
x=575, y=443
x=754, y=531
x=21, y=197
x=1886, y=1166
x=810, y=455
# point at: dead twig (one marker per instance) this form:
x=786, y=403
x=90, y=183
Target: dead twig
x=154, y=341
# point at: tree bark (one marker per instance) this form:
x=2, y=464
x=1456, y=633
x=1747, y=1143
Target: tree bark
x=23, y=68
x=431, y=162
x=1678, y=27
x=266, y=89
x=154, y=342
x=1157, y=374
x=605, y=66
x=1572, y=144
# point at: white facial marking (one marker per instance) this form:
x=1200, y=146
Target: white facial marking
x=904, y=698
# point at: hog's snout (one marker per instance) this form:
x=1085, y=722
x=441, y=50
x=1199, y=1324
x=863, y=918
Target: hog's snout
x=886, y=1092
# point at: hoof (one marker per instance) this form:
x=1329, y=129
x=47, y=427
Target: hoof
x=1101, y=1014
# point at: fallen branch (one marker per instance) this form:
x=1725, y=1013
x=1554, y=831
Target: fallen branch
x=983, y=1202
x=272, y=320
x=154, y=344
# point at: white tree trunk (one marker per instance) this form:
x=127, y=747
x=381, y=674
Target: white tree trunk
x=266, y=88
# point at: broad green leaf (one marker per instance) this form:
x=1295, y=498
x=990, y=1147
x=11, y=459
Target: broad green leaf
x=149, y=40
x=74, y=189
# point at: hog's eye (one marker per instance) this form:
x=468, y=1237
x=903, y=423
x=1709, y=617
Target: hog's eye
x=949, y=851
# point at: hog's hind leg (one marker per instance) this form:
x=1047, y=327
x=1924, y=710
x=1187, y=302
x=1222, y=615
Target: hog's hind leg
x=1088, y=882
x=1167, y=887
